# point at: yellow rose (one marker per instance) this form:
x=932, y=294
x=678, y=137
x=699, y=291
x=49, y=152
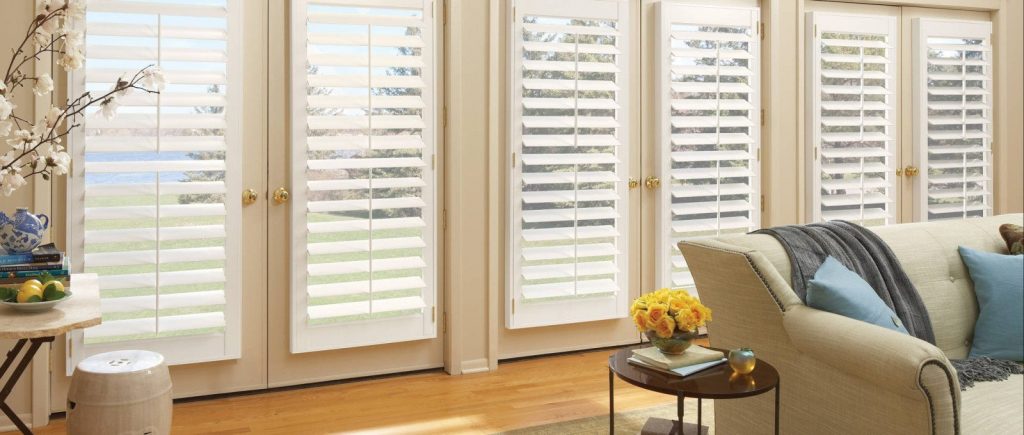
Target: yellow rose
x=677, y=304
x=665, y=327
x=639, y=304
x=657, y=311
x=641, y=320
x=684, y=320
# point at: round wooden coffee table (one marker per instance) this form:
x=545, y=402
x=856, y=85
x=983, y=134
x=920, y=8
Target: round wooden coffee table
x=716, y=382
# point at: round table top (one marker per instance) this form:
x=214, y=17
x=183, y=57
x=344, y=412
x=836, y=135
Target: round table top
x=718, y=382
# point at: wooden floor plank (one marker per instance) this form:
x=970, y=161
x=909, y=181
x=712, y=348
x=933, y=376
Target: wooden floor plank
x=519, y=394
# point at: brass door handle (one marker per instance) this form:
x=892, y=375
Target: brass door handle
x=911, y=171
x=652, y=182
x=249, y=196
x=281, y=195
x=633, y=183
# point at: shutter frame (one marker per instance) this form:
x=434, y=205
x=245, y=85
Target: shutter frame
x=522, y=308
x=674, y=220
x=339, y=334
x=819, y=23
x=929, y=156
x=176, y=349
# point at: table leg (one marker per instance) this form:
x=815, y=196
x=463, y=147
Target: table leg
x=611, y=401
x=16, y=374
x=679, y=410
x=699, y=412
x=776, y=409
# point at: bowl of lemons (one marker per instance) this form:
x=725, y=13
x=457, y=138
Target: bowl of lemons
x=35, y=295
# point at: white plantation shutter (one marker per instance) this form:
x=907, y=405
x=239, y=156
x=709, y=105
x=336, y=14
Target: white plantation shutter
x=363, y=268
x=569, y=133
x=852, y=103
x=708, y=93
x=952, y=62
x=153, y=193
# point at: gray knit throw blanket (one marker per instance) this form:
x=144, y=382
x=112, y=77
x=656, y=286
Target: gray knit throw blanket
x=870, y=257
x=864, y=253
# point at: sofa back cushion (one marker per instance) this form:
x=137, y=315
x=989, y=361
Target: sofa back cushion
x=928, y=253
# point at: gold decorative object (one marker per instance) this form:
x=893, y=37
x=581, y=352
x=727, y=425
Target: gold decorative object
x=742, y=360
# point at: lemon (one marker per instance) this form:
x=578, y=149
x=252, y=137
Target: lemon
x=34, y=282
x=30, y=292
x=53, y=290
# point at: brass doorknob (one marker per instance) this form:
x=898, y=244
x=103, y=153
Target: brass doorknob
x=652, y=182
x=633, y=183
x=249, y=196
x=911, y=171
x=281, y=195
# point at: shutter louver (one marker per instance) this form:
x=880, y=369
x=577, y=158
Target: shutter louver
x=149, y=197
x=569, y=132
x=363, y=144
x=709, y=128
x=852, y=81
x=953, y=118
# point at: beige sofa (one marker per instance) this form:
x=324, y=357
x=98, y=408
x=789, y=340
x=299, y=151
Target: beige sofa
x=840, y=375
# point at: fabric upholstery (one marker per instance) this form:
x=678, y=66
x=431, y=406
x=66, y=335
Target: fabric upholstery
x=840, y=375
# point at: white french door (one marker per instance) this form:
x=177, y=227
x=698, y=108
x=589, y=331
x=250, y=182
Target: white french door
x=155, y=196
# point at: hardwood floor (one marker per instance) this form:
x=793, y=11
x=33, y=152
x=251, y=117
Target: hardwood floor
x=519, y=394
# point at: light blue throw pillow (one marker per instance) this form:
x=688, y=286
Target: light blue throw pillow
x=999, y=287
x=839, y=290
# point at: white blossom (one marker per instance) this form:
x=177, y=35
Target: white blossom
x=5, y=128
x=121, y=82
x=12, y=180
x=108, y=108
x=44, y=85
x=57, y=159
x=53, y=116
x=20, y=139
x=3, y=86
x=49, y=26
x=72, y=59
x=6, y=108
x=155, y=79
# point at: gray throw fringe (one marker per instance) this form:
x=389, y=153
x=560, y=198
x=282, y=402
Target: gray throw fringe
x=983, y=369
x=863, y=252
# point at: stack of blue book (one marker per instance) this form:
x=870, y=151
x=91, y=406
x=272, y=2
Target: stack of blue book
x=44, y=260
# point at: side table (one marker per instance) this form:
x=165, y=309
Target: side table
x=719, y=382
x=34, y=329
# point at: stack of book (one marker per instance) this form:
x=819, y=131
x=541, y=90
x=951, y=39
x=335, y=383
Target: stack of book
x=695, y=359
x=44, y=260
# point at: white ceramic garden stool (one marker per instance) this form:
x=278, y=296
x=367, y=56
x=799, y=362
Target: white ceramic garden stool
x=120, y=393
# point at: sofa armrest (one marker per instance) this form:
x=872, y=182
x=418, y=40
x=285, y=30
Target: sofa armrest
x=888, y=359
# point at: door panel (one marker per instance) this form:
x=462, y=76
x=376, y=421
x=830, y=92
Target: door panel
x=243, y=362
x=355, y=144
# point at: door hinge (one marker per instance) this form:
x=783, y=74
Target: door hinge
x=815, y=30
x=433, y=161
x=513, y=159
x=762, y=117
x=815, y=153
x=759, y=154
x=444, y=219
x=444, y=323
x=433, y=314
x=513, y=307
x=444, y=12
x=760, y=29
x=762, y=203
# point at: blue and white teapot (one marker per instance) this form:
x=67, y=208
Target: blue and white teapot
x=22, y=232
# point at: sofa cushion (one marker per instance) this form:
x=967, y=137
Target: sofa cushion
x=839, y=290
x=999, y=284
x=993, y=407
x=928, y=253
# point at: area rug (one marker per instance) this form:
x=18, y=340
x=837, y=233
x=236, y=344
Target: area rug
x=629, y=422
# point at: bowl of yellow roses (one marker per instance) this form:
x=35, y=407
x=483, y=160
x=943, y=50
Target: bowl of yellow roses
x=669, y=318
